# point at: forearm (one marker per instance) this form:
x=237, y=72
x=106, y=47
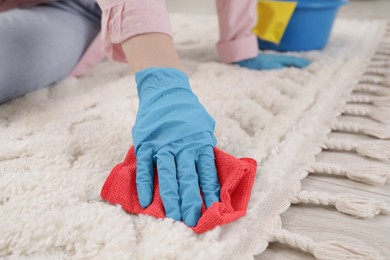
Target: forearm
x=236, y=20
x=151, y=50
x=129, y=24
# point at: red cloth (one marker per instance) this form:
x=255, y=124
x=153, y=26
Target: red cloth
x=236, y=177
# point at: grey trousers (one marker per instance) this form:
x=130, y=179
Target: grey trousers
x=40, y=45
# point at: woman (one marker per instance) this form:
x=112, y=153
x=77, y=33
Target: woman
x=42, y=43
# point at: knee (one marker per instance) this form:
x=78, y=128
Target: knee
x=12, y=83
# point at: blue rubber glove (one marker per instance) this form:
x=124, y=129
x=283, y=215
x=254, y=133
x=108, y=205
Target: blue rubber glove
x=175, y=132
x=271, y=62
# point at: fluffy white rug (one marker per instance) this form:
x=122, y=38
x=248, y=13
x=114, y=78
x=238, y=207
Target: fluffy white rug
x=59, y=144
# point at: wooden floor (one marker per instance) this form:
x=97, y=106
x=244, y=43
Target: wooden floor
x=325, y=223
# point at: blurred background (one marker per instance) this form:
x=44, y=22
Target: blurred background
x=359, y=9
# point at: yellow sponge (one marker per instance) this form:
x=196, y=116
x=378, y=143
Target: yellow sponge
x=273, y=18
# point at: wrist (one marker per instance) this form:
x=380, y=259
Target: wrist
x=157, y=80
x=150, y=50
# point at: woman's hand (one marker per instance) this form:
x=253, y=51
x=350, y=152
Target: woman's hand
x=272, y=61
x=175, y=132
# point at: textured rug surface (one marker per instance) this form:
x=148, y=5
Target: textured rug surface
x=58, y=145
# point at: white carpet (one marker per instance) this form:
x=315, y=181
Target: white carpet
x=59, y=144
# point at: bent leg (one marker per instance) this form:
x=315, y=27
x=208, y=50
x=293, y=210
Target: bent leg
x=41, y=45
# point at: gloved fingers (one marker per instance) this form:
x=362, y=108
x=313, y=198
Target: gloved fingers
x=144, y=175
x=272, y=66
x=166, y=168
x=295, y=62
x=191, y=200
x=262, y=65
x=208, y=177
x=271, y=57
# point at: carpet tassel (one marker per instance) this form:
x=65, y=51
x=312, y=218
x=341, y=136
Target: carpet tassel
x=328, y=250
x=377, y=71
x=378, y=149
x=374, y=149
x=375, y=101
x=376, y=130
x=382, y=63
x=383, y=51
x=374, y=90
x=380, y=114
x=368, y=174
x=384, y=81
x=381, y=101
x=360, y=207
x=380, y=57
x=349, y=204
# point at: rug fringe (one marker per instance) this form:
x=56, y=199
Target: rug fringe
x=381, y=114
x=326, y=250
x=370, y=89
x=380, y=57
x=349, y=204
x=375, y=101
x=376, y=130
x=384, y=81
x=383, y=51
x=382, y=63
x=378, y=71
x=369, y=174
x=377, y=149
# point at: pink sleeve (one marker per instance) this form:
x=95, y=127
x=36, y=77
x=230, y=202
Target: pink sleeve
x=236, y=20
x=123, y=19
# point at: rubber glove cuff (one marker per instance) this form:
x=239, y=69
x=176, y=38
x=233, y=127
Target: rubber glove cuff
x=152, y=80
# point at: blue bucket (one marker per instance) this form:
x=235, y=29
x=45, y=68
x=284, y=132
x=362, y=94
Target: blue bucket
x=309, y=27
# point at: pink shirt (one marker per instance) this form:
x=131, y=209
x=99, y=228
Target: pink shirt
x=122, y=19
